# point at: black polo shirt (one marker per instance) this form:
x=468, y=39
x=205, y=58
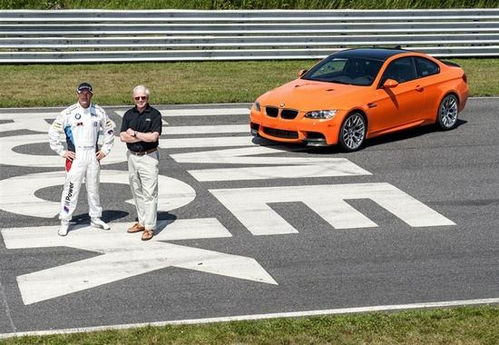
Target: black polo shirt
x=146, y=122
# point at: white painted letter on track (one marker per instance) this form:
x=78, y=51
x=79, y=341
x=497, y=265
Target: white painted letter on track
x=251, y=206
x=277, y=167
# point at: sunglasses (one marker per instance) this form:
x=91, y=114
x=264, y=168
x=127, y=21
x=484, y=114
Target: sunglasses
x=139, y=98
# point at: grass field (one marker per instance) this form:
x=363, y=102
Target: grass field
x=459, y=326
x=179, y=82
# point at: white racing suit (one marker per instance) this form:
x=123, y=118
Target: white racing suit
x=81, y=127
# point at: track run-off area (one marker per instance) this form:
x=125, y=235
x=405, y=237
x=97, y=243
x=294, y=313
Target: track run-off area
x=248, y=228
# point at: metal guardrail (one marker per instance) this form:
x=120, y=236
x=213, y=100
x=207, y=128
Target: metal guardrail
x=182, y=35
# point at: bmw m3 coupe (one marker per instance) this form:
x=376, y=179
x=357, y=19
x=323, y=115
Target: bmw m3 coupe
x=357, y=94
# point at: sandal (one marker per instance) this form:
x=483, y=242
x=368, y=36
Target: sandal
x=135, y=228
x=147, y=235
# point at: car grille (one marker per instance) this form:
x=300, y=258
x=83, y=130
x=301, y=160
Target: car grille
x=288, y=114
x=280, y=133
x=271, y=111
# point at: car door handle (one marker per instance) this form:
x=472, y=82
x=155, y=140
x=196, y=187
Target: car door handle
x=419, y=88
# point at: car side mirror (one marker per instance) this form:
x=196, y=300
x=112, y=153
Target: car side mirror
x=390, y=84
x=302, y=72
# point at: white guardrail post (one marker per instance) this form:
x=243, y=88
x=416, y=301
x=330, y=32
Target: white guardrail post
x=73, y=36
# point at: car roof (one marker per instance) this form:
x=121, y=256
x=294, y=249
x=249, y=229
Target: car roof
x=371, y=53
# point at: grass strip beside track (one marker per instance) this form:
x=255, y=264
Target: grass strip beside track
x=465, y=325
x=244, y=4
x=179, y=82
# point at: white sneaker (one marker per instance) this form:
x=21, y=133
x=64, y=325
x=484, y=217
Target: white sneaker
x=63, y=230
x=98, y=223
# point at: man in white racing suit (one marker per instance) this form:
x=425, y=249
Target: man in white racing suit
x=81, y=124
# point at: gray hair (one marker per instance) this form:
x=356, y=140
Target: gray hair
x=141, y=88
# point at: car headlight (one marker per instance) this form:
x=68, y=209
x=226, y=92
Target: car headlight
x=256, y=106
x=321, y=114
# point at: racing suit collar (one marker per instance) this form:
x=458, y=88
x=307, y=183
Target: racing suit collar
x=90, y=106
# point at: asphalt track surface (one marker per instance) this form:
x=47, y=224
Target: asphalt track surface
x=230, y=265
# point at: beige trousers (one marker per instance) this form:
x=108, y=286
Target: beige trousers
x=143, y=175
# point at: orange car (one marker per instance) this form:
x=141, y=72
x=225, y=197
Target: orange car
x=357, y=94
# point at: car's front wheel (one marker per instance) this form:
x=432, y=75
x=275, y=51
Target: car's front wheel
x=447, y=112
x=353, y=132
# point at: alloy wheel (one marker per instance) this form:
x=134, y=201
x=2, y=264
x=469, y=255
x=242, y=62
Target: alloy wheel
x=353, y=132
x=447, y=112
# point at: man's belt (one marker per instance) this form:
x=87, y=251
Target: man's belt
x=141, y=153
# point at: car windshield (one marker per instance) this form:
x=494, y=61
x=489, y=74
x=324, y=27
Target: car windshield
x=345, y=70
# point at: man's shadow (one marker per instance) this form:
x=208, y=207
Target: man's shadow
x=107, y=216
x=164, y=218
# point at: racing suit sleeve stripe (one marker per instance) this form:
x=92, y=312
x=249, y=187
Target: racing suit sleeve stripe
x=69, y=138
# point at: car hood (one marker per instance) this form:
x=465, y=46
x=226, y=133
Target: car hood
x=307, y=95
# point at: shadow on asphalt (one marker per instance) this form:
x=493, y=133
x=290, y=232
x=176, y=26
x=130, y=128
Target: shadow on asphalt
x=336, y=149
x=107, y=216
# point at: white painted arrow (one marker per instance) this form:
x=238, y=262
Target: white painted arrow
x=124, y=256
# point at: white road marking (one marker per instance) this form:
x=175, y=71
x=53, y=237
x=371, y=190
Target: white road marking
x=190, y=229
x=117, y=155
x=247, y=155
x=174, y=130
x=205, y=142
x=328, y=201
x=118, y=247
x=289, y=167
x=167, y=230
x=18, y=193
x=336, y=167
x=27, y=121
x=337, y=311
x=5, y=306
x=10, y=157
x=339, y=214
x=198, y=112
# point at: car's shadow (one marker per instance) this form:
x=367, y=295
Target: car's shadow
x=407, y=134
x=336, y=149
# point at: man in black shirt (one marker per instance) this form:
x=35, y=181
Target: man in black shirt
x=140, y=130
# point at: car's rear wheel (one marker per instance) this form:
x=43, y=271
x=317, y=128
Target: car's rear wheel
x=447, y=112
x=353, y=132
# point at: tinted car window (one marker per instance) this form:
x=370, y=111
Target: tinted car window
x=330, y=68
x=400, y=70
x=426, y=67
x=345, y=70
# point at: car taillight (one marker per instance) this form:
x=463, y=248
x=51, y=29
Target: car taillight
x=465, y=78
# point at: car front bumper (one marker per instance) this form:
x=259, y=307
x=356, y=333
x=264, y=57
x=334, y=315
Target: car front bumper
x=312, y=132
